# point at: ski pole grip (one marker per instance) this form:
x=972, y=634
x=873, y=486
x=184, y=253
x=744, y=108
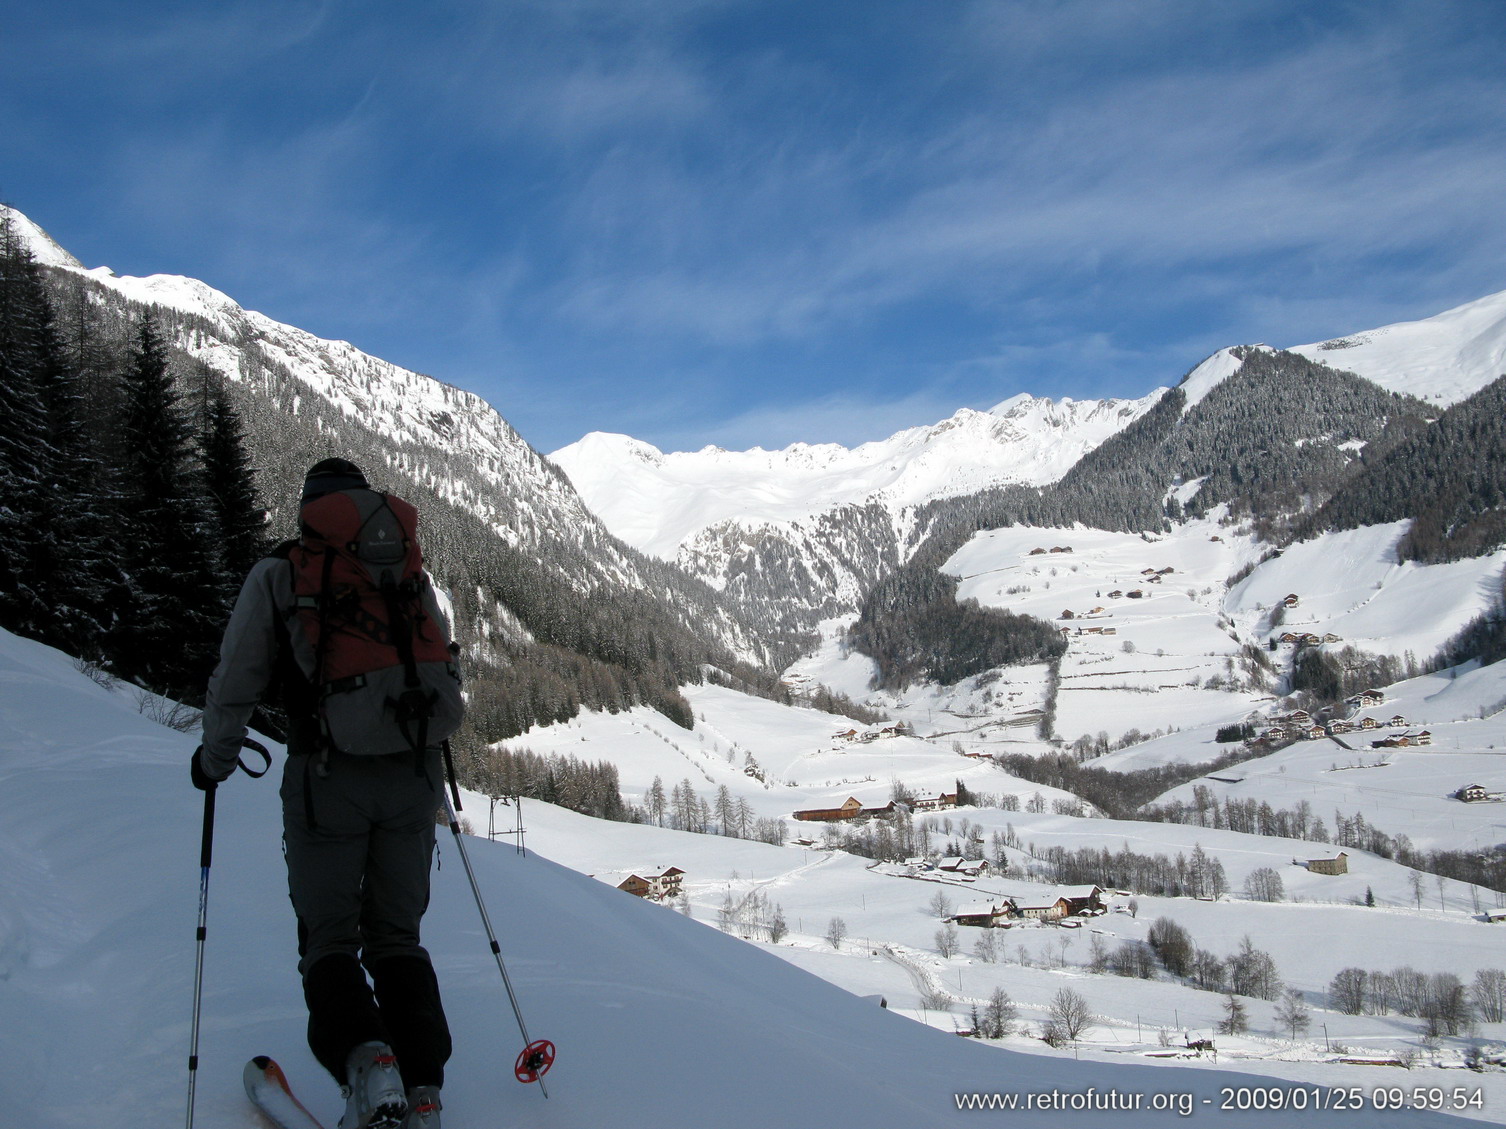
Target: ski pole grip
x=206, y=844
x=255, y=747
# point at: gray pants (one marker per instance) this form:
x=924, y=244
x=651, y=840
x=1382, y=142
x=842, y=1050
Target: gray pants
x=359, y=843
x=359, y=874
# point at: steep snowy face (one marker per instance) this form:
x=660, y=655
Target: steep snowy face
x=419, y=414
x=1441, y=359
x=1210, y=374
x=42, y=246
x=660, y=502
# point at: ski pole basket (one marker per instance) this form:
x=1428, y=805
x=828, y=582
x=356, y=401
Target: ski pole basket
x=534, y=1061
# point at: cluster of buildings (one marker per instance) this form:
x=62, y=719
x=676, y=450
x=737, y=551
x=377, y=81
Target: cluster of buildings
x=854, y=809
x=1299, y=725
x=863, y=736
x=1050, y=905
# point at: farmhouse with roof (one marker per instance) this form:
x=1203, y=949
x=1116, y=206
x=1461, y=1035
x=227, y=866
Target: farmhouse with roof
x=1337, y=865
x=657, y=885
x=986, y=915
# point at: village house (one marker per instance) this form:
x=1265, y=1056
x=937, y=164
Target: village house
x=1423, y=738
x=1365, y=698
x=958, y=865
x=1398, y=722
x=1083, y=899
x=936, y=803
x=655, y=885
x=986, y=915
x=1047, y=909
x=1290, y=601
x=1472, y=794
x=1312, y=733
x=852, y=809
x=1337, y=865
x=1116, y=594
x=1368, y=723
x=1135, y=595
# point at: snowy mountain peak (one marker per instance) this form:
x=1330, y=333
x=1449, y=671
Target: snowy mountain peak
x=42, y=246
x=658, y=502
x=1213, y=372
x=1442, y=359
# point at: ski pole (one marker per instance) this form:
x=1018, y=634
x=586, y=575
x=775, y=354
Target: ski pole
x=536, y=1057
x=206, y=851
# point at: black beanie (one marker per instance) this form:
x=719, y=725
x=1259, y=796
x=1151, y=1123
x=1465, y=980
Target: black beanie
x=330, y=475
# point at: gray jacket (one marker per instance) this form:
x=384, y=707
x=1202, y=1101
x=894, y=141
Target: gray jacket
x=264, y=620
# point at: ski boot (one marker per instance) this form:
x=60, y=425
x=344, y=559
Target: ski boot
x=373, y=1091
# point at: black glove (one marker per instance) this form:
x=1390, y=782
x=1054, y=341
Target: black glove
x=201, y=779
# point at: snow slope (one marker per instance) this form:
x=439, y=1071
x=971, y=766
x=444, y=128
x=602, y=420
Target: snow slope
x=661, y=1022
x=1442, y=359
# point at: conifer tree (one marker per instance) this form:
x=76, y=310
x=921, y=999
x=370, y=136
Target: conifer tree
x=170, y=606
x=23, y=450
x=230, y=487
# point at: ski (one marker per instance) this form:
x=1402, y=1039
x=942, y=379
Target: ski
x=268, y=1089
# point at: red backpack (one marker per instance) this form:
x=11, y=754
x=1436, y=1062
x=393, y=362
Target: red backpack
x=385, y=677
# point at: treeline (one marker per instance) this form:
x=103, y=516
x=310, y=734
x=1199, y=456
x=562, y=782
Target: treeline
x=128, y=508
x=913, y=627
x=684, y=809
x=1330, y=677
x=586, y=787
x=1440, y=999
x=1253, y=817
x=1195, y=875
x=1485, y=867
x=1119, y=795
x=1457, y=505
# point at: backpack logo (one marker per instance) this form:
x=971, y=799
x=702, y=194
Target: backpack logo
x=384, y=676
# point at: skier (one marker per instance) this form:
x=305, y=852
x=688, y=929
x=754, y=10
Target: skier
x=358, y=834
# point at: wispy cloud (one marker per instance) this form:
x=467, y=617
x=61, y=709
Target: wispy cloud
x=740, y=222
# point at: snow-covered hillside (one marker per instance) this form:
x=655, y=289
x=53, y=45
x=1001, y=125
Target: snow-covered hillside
x=99, y=834
x=1441, y=359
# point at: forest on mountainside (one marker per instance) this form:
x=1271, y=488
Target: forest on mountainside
x=1448, y=477
x=140, y=485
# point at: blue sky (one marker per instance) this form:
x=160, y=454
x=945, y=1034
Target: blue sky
x=766, y=221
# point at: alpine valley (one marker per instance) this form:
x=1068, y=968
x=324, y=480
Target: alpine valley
x=1186, y=709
